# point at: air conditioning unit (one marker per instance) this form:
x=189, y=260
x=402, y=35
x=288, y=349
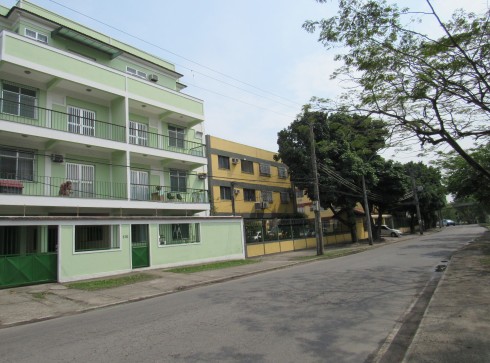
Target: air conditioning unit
x=56, y=158
x=261, y=205
x=153, y=77
x=202, y=175
x=235, y=160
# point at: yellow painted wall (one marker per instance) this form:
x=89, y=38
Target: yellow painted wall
x=254, y=181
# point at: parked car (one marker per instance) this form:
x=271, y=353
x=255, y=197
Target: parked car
x=391, y=232
x=448, y=222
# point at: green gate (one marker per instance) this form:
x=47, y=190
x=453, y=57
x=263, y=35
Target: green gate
x=17, y=270
x=140, y=246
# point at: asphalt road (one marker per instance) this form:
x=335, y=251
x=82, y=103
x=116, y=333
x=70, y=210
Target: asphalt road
x=339, y=310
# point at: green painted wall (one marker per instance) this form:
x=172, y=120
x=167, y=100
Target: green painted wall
x=218, y=240
x=147, y=90
x=59, y=62
x=101, y=112
x=118, y=111
x=89, y=264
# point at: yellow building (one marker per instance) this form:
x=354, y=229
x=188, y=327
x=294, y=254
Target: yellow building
x=247, y=181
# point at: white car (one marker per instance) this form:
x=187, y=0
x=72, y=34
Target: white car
x=387, y=231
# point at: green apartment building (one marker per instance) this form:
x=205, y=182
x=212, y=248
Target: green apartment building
x=102, y=157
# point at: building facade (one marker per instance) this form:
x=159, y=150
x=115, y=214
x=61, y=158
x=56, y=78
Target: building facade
x=90, y=126
x=247, y=181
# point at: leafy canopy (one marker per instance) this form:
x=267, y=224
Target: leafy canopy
x=434, y=89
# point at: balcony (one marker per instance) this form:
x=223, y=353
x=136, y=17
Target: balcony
x=164, y=142
x=46, y=186
x=42, y=117
x=157, y=193
x=85, y=124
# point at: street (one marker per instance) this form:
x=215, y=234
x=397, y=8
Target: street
x=339, y=310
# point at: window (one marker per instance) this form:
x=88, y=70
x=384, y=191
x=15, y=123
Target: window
x=225, y=193
x=178, y=181
x=282, y=172
x=94, y=238
x=16, y=164
x=36, y=36
x=19, y=100
x=249, y=195
x=140, y=189
x=173, y=234
x=82, y=180
x=138, y=133
x=300, y=193
x=266, y=196
x=247, y=166
x=136, y=72
x=81, y=121
x=265, y=169
x=223, y=162
x=198, y=135
x=285, y=197
x=176, y=136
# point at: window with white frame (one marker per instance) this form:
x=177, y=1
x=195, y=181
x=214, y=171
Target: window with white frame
x=138, y=133
x=16, y=164
x=285, y=197
x=19, y=100
x=36, y=35
x=265, y=169
x=81, y=121
x=178, y=233
x=82, y=179
x=225, y=193
x=266, y=196
x=140, y=190
x=96, y=238
x=178, y=180
x=176, y=136
x=282, y=172
x=136, y=72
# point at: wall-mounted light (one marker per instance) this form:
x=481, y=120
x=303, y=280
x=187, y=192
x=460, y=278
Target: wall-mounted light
x=27, y=72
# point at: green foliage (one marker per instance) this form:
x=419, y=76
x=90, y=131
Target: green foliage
x=431, y=191
x=462, y=181
x=211, y=266
x=434, y=89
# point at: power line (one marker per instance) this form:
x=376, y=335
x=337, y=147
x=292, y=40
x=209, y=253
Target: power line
x=184, y=58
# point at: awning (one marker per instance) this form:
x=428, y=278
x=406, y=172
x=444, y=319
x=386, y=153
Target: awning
x=71, y=34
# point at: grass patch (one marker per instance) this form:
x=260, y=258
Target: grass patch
x=109, y=283
x=40, y=295
x=210, y=266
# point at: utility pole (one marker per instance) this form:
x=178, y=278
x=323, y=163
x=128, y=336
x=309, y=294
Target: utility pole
x=417, y=205
x=316, y=202
x=366, y=211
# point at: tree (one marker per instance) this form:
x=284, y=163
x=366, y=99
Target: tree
x=462, y=181
x=436, y=89
x=431, y=193
x=343, y=143
x=392, y=187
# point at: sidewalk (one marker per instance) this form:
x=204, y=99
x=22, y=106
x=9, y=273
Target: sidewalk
x=26, y=304
x=455, y=327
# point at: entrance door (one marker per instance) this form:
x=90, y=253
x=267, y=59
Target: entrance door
x=140, y=245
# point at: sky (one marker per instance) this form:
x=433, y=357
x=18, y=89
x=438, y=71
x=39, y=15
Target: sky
x=250, y=61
